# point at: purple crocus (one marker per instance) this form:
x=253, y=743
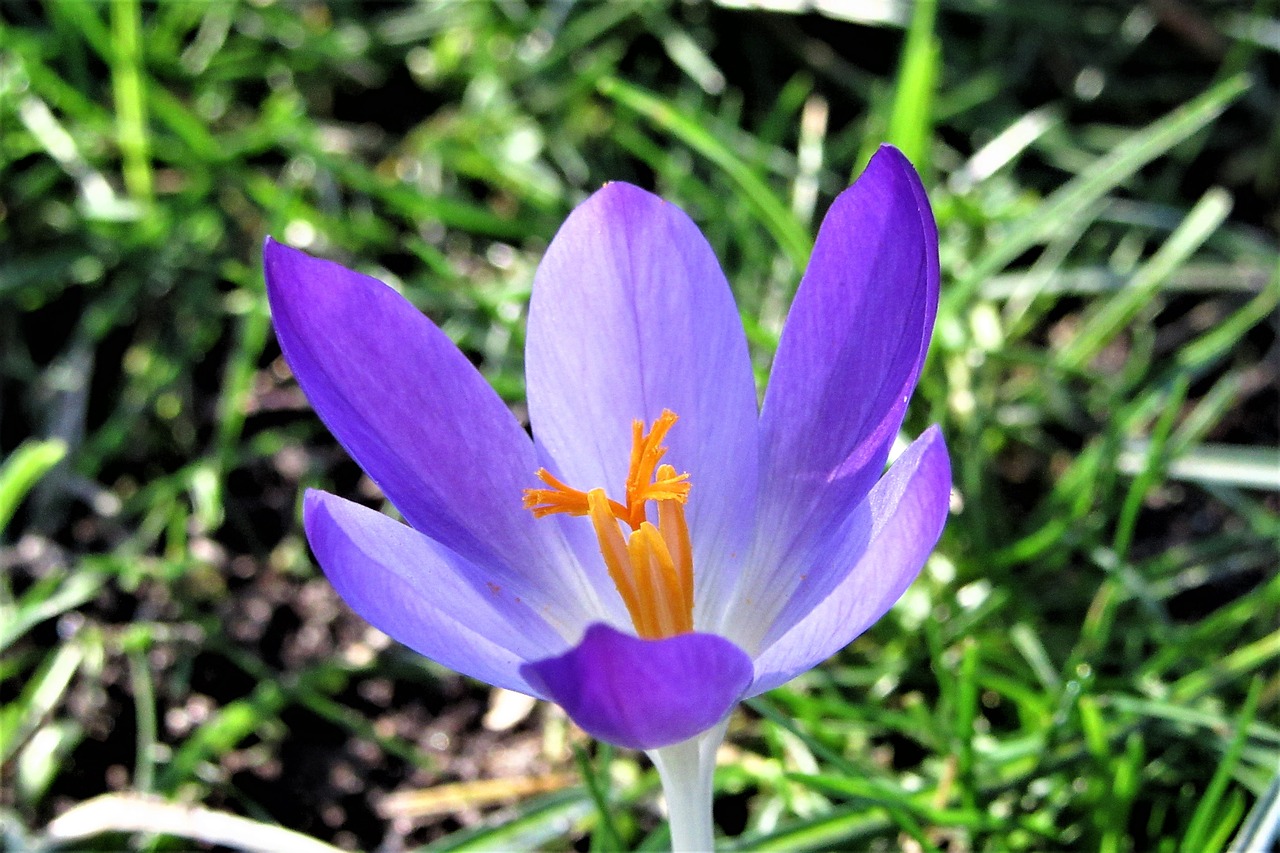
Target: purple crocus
x=662, y=547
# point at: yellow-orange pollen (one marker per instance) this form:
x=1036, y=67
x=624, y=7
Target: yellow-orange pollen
x=652, y=565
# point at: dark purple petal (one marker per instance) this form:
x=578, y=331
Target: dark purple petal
x=421, y=421
x=426, y=596
x=882, y=551
x=644, y=694
x=630, y=315
x=851, y=350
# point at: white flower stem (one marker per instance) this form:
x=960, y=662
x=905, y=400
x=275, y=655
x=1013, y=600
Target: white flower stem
x=687, y=770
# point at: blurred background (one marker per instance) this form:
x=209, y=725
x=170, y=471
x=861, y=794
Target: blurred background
x=1088, y=661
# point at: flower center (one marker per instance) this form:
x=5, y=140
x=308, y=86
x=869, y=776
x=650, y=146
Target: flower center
x=651, y=564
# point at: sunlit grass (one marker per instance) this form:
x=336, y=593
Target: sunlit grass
x=1088, y=661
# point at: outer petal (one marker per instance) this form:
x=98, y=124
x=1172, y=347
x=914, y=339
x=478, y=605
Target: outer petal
x=886, y=546
x=644, y=694
x=419, y=419
x=851, y=349
x=424, y=595
x=630, y=315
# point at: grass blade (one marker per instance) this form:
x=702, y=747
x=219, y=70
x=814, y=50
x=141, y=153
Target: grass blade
x=1080, y=196
x=23, y=469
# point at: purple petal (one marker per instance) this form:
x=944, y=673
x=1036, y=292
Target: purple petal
x=851, y=349
x=630, y=315
x=884, y=547
x=426, y=596
x=643, y=694
x=421, y=421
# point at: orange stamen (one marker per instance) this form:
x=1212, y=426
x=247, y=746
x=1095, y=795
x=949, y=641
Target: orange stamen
x=559, y=498
x=675, y=535
x=652, y=567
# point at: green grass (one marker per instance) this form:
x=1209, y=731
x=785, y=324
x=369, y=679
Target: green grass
x=1088, y=661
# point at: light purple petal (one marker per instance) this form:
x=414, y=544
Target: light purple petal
x=421, y=421
x=424, y=595
x=643, y=694
x=884, y=547
x=630, y=315
x=851, y=350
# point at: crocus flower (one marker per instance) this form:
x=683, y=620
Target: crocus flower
x=662, y=547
